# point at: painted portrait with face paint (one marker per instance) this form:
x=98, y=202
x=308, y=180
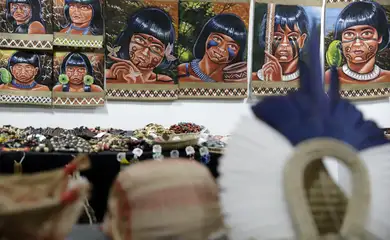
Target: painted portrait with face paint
x=25, y=16
x=147, y=43
x=24, y=69
x=221, y=43
x=362, y=31
x=76, y=75
x=83, y=17
x=290, y=35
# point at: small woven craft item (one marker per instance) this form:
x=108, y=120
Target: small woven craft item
x=42, y=205
x=170, y=199
x=308, y=152
x=178, y=141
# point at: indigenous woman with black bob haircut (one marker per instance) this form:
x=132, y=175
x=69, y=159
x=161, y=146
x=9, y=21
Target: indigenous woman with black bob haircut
x=146, y=43
x=83, y=17
x=24, y=72
x=76, y=75
x=221, y=42
x=363, y=30
x=25, y=16
x=290, y=35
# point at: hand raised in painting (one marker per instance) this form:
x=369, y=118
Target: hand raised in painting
x=126, y=71
x=272, y=70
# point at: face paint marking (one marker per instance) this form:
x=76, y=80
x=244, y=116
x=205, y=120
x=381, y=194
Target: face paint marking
x=211, y=43
x=232, y=54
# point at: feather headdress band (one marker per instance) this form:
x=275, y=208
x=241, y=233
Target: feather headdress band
x=253, y=198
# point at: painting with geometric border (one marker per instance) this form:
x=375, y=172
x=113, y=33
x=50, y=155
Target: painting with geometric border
x=212, y=49
x=357, y=43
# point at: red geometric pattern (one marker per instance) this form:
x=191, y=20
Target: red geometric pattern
x=268, y=91
x=126, y=93
x=213, y=92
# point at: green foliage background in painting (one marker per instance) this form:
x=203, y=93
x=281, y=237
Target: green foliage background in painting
x=193, y=16
x=382, y=58
x=118, y=12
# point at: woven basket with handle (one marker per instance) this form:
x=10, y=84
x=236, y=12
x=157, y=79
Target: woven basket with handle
x=301, y=204
x=41, y=206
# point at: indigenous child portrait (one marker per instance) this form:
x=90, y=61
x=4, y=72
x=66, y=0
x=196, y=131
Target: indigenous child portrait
x=278, y=48
x=78, y=72
x=213, y=47
x=357, y=42
x=26, y=24
x=25, y=16
x=82, y=17
x=142, y=51
x=78, y=23
x=25, y=71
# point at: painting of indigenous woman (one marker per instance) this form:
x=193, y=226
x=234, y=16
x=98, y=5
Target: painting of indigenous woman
x=141, y=62
x=79, y=79
x=26, y=24
x=280, y=45
x=357, y=44
x=213, y=48
x=79, y=23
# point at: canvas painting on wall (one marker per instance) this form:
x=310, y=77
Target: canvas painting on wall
x=141, y=50
x=26, y=77
x=357, y=43
x=26, y=24
x=79, y=79
x=212, y=49
x=281, y=32
x=78, y=23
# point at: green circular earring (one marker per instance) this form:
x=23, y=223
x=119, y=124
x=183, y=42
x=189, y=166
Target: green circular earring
x=63, y=79
x=88, y=80
x=6, y=76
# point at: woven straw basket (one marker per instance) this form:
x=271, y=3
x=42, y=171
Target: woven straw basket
x=39, y=206
x=186, y=139
x=317, y=206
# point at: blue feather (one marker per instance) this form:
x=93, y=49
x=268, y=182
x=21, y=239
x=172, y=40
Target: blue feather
x=310, y=113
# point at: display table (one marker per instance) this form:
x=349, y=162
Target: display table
x=104, y=169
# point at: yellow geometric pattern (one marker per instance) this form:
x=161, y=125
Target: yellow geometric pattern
x=78, y=43
x=91, y=101
x=26, y=44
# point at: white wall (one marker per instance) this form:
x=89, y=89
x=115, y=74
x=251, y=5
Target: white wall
x=219, y=116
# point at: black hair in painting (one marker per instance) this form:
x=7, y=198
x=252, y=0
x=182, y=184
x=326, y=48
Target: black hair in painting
x=228, y=24
x=27, y=58
x=286, y=17
x=96, y=24
x=364, y=13
x=77, y=59
x=36, y=15
x=151, y=21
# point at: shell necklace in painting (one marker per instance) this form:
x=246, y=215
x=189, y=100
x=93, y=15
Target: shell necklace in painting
x=29, y=86
x=285, y=78
x=362, y=77
x=199, y=73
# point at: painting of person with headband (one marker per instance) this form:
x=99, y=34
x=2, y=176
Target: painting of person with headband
x=25, y=16
x=76, y=75
x=145, y=45
x=220, y=46
x=83, y=17
x=290, y=33
x=22, y=73
x=360, y=36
